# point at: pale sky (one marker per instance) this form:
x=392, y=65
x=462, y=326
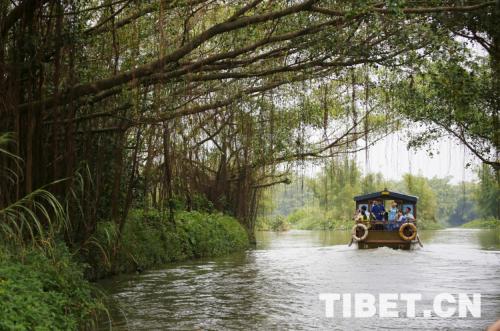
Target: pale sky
x=390, y=157
x=451, y=160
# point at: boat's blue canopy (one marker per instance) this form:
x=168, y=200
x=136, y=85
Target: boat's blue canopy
x=386, y=195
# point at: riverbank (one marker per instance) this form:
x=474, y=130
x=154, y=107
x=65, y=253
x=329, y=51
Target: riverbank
x=50, y=288
x=489, y=223
x=44, y=289
x=302, y=219
x=151, y=239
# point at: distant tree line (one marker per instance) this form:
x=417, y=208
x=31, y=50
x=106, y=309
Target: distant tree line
x=331, y=193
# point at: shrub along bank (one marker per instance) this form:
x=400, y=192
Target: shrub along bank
x=311, y=218
x=151, y=239
x=488, y=223
x=45, y=290
x=276, y=223
x=48, y=288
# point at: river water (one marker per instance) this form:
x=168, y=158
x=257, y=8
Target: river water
x=277, y=285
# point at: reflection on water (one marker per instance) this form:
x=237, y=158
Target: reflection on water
x=276, y=285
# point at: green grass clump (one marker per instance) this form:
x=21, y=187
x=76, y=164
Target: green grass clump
x=45, y=291
x=429, y=225
x=151, y=239
x=488, y=223
x=315, y=219
x=211, y=234
x=277, y=223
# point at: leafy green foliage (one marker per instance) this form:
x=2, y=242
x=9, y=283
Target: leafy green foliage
x=275, y=223
x=33, y=219
x=429, y=225
x=428, y=201
x=446, y=194
x=201, y=203
x=454, y=97
x=149, y=239
x=40, y=292
x=488, y=223
x=465, y=210
x=313, y=218
x=325, y=201
x=41, y=286
x=335, y=187
x=211, y=234
x=487, y=194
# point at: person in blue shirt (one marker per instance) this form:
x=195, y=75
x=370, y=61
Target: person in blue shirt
x=392, y=215
x=378, y=210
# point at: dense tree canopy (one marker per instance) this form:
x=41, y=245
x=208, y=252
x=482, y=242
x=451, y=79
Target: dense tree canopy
x=167, y=103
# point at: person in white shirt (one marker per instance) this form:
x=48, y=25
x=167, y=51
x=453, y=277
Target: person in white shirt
x=409, y=216
x=365, y=213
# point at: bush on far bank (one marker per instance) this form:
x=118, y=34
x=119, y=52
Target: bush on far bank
x=485, y=223
x=310, y=218
x=277, y=223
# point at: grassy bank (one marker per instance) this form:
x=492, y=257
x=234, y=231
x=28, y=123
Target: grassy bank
x=315, y=219
x=303, y=219
x=45, y=290
x=150, y=239
x=48, y=288
x=429, y=225
x=277, y=223
x=489, y=223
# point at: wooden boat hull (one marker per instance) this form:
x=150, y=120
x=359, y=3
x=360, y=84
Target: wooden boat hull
x=382, y=238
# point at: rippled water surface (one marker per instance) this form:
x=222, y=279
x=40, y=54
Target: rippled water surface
x=276, y=285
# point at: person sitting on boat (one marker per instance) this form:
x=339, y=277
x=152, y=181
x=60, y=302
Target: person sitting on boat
x=392, y=214
x=364, y=213
x=378, y=210
x=400, y=219
x=409, y=216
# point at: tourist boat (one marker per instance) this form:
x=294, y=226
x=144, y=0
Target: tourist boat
x=372, y=233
